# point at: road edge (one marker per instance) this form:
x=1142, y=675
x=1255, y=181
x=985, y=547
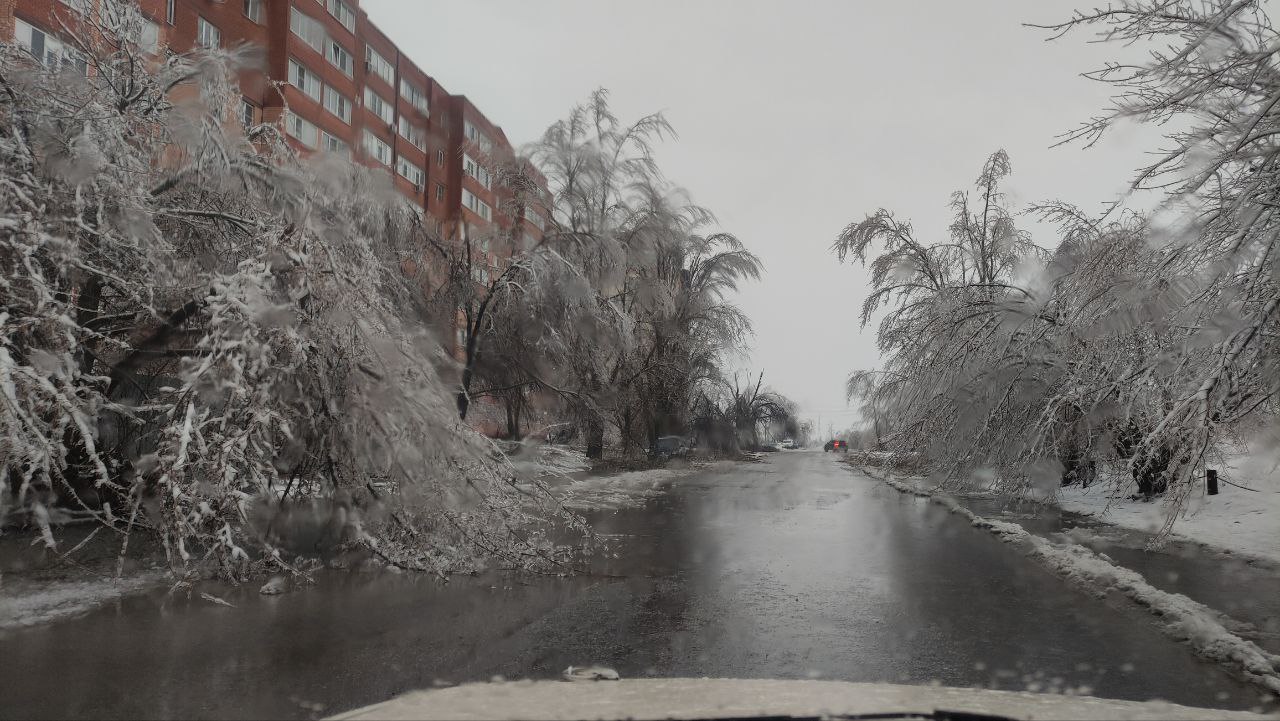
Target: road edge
x=1186, y=620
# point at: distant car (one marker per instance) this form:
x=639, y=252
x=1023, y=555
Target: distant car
x=834, y=445
x=787, y=443
x=668, y=447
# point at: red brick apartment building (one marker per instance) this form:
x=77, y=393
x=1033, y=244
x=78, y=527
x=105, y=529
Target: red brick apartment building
x=347, y=89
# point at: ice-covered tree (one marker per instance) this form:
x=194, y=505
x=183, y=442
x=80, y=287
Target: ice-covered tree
x=946, y=320
x=1147, y=342
x=213, y=341
x=1205, y=301
x=639, y=312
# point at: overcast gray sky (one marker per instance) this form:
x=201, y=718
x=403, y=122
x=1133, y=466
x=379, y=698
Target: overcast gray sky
x=795, y=119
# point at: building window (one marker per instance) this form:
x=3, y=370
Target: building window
x=48, y=50
x=248, y=114
x=343, y=13
x=340, y=58
x=377, y=149
x=253, y=10
x=308, y=28
x=375, y=103
x=301, y=129
x=169, y=10
x=475, y=170
x=305, y=80
x=476, y=205
x=414, y=135
x=416, y=97
x=410, y=171
x=535, y=219
x=440, y=157
x=378, y=65
x=440, y=190
x=338, y=104
x=149, y=39
x=79, y=6
x=332, y=144
x=473, y=134
x=207, y=34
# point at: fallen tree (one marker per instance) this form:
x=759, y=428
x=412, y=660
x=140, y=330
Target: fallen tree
x=213, y=341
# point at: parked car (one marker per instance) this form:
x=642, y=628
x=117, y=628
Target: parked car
x=561, y=433
x=836, y=444
x=669, y=447
x=787, y=443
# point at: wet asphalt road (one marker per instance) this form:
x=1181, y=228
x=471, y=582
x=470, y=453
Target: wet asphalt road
x=793, y=568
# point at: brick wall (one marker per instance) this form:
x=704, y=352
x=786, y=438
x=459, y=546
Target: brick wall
x=7, y=8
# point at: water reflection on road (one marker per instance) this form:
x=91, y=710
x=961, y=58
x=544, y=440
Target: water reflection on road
x=794, y=568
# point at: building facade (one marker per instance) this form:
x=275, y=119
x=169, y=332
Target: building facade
x=336, y=83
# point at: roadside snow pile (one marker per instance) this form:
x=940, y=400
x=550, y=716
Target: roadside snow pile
x=1186, y=620
x=20, y=607
x=1241, y=521
x=624, y=489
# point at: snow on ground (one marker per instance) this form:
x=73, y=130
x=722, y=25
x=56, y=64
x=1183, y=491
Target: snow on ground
x=625, y=489
x=28, y=604
x=1245, y=522
x=1184, y=619
x=531, y=459
x=1241, y=521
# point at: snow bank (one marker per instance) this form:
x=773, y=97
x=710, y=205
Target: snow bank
x=624, y=489
x=1185, y=619
x=50, y=601
x=1241, y=521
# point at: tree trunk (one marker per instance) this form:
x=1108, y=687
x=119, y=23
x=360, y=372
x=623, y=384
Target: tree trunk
x=464, y=403
x=513, y=418
x=595, y=437
x=90, y=299
x=1150, y=472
